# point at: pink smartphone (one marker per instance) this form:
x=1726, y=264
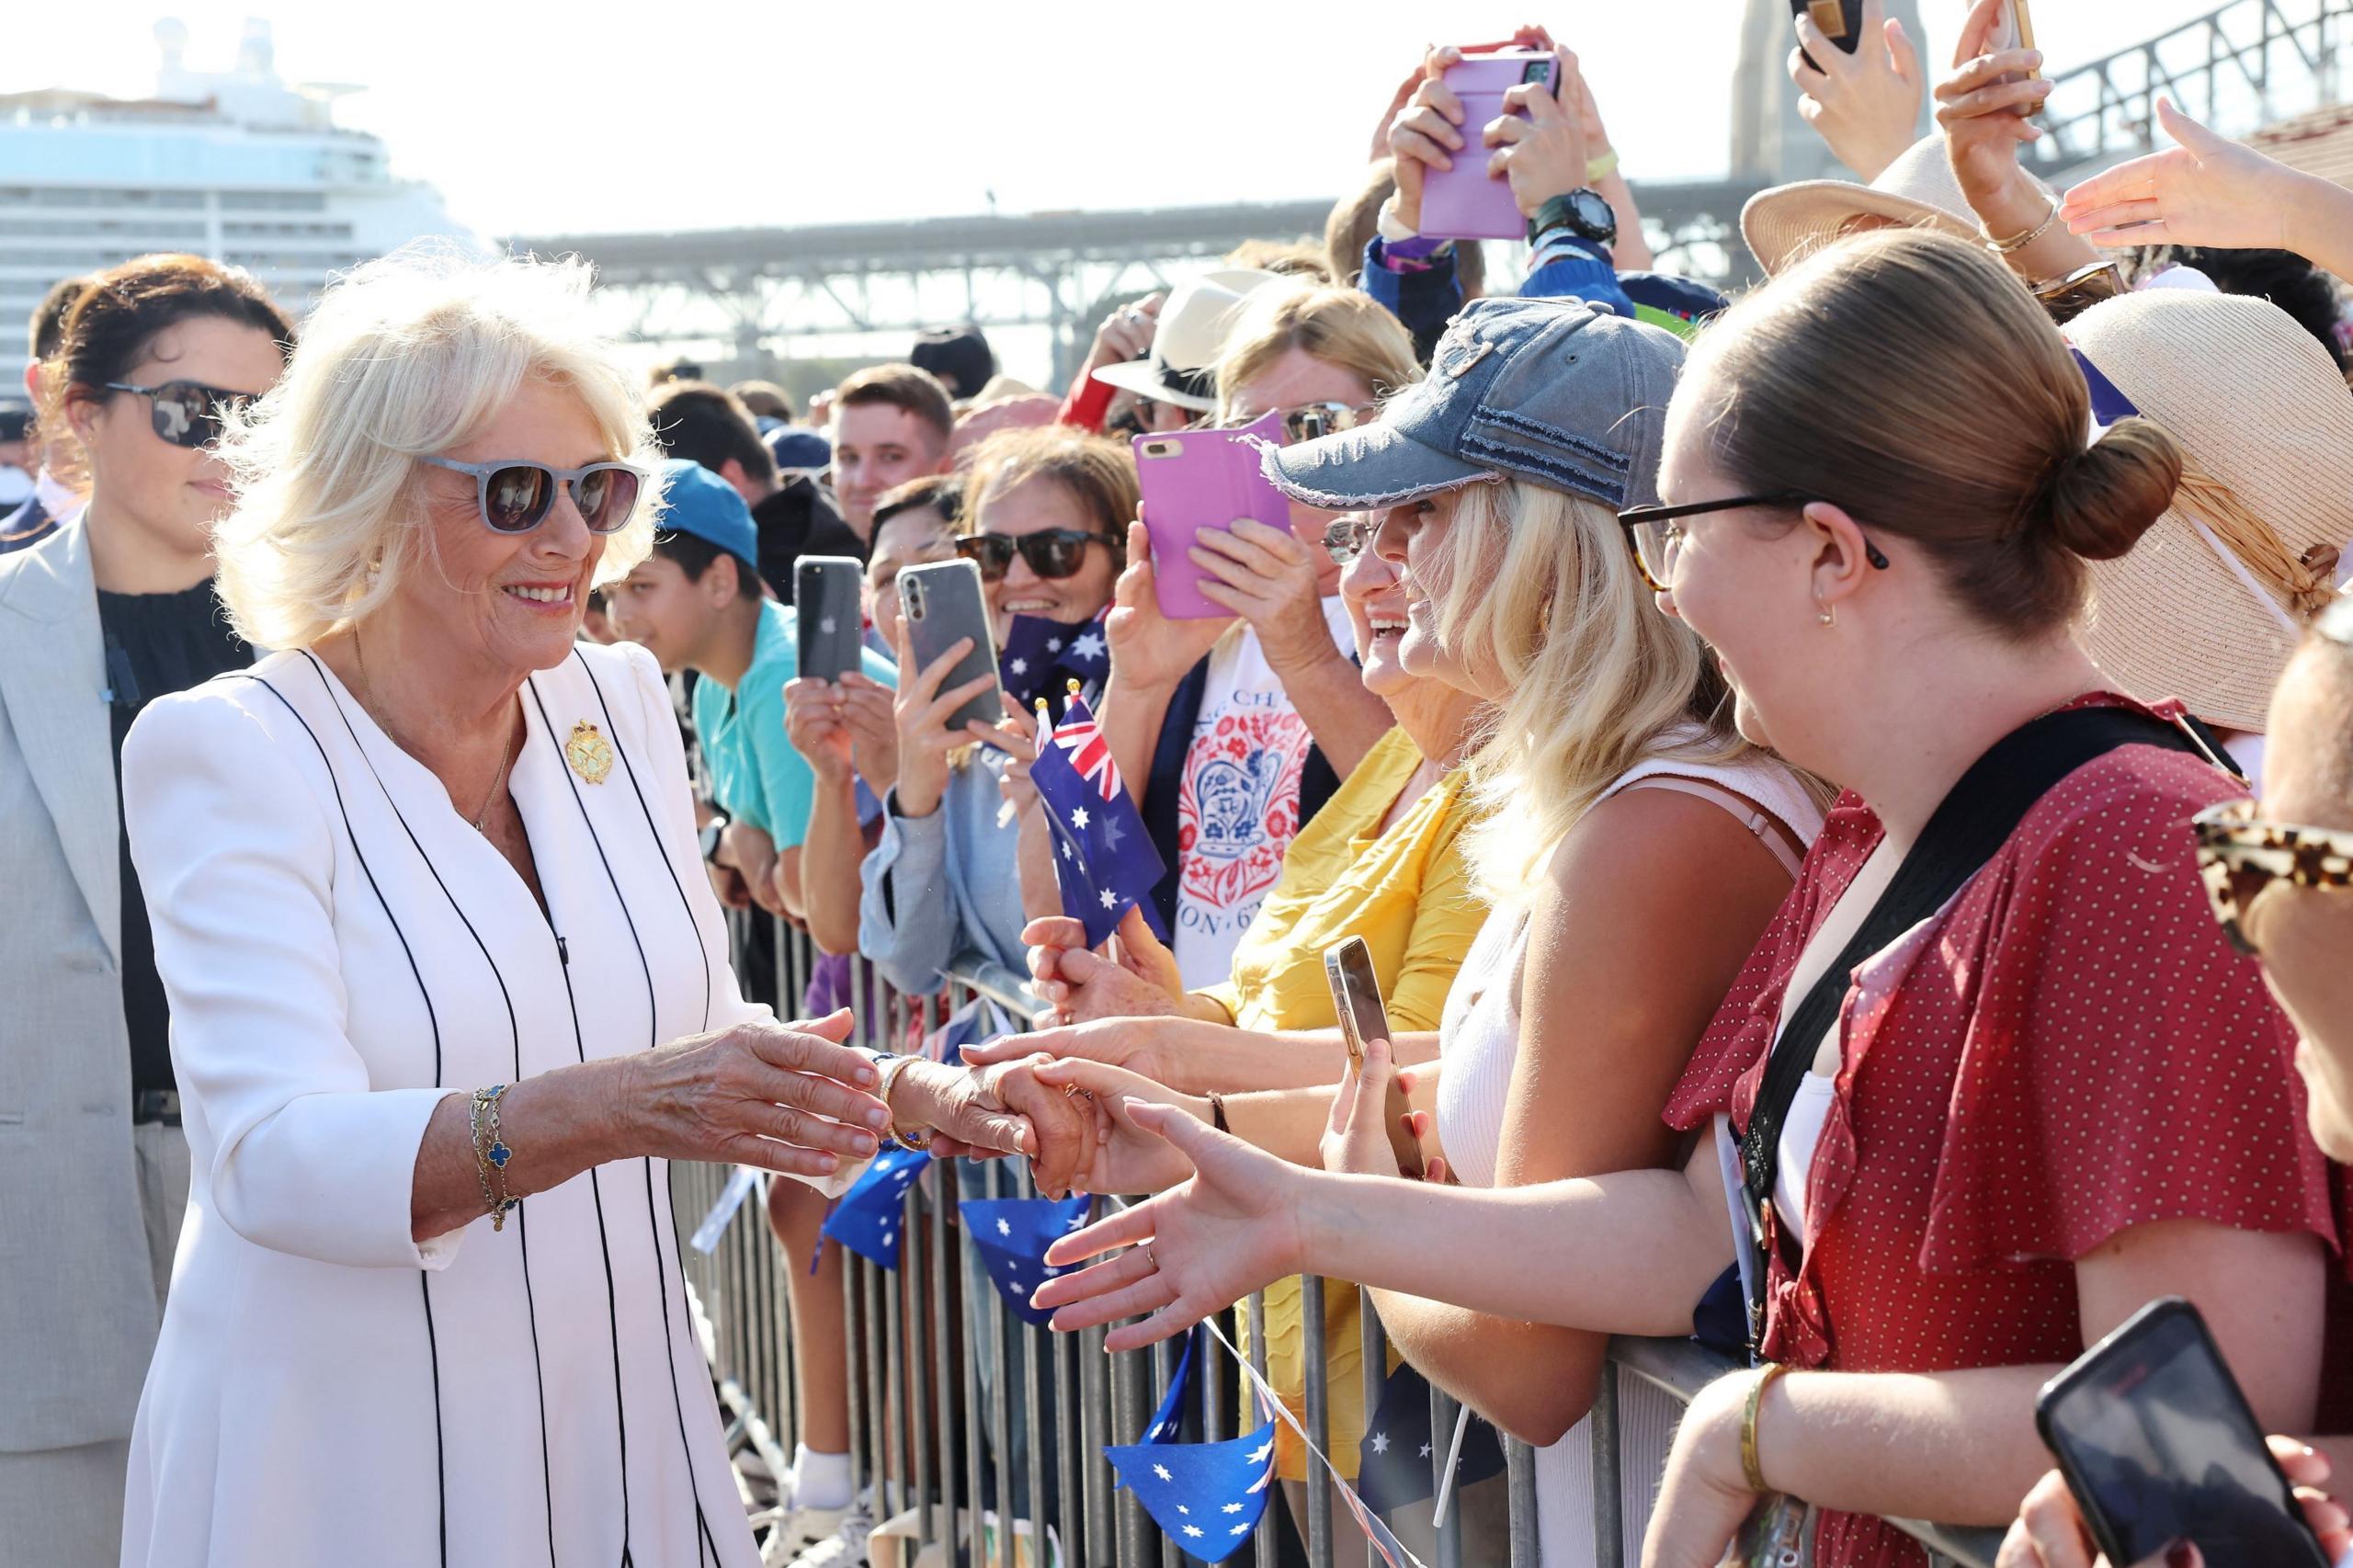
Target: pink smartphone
x=1196, y=481
x=1463, y=203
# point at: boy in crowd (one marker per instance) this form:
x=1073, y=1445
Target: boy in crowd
x=792, y=518
x=891, y=424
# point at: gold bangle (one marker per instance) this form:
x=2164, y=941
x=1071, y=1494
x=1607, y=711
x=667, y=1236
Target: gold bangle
x=1752, y=1470
x=491, y=1153
x=2006, y=247
x=891, y=1071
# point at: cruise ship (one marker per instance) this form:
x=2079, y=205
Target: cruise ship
x=235, y=165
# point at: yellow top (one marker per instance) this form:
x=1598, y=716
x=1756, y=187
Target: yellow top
x=1407, y=893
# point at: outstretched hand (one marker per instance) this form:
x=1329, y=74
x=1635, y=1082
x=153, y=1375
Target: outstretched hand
x=1136, y=976
x=2209, y=191
x=1232, y=1228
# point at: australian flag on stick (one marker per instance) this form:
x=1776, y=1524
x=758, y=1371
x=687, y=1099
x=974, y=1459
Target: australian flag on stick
x=1104, y=861
x=870, y=1218
x=1401, y=1456
x=1207, y=1497
x=1044, y=659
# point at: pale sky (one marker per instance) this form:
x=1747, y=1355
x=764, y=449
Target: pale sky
x=586, y=117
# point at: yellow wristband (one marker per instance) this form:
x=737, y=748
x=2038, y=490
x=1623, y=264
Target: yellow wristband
x=1601, y=166
x=1752, y=1470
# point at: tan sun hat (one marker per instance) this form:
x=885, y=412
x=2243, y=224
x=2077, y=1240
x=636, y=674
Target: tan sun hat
x=1195, y=321
x=2208, y=606
x=1783, y=225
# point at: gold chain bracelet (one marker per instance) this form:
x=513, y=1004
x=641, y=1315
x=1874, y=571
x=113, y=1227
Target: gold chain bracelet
x=491, y=1153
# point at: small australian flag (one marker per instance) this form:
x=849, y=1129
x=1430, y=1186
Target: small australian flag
x=870, y=1218
x=1103, y=860
x=1043, y=659
x=1398, y=1460
x=1012, y=1234
x=1206, y=1497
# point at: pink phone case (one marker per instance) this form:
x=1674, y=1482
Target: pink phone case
x=1463, y=203
x=1194, y=481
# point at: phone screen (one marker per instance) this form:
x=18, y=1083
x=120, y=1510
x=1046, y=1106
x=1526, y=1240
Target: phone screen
x=2160, y=1448
x=1356, y=994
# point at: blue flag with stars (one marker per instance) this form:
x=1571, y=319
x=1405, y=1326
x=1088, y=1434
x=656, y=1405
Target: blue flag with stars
x=1012, y=1234
x=1399, y=1458
x=1103, y=860
x=869, y=1217
x=1207, y=1497
x=1043, y=659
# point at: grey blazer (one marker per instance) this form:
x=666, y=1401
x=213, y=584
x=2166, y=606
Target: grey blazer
x=78, y=1312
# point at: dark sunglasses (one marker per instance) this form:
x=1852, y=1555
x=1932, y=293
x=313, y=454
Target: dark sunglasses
x=515, y=497
x=187, y=414
x=1657, y=537
x=1050, y=552
x=1306, y=421
x=2241, y=856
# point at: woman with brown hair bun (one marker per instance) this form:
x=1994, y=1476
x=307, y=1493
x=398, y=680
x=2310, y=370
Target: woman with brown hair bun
x=1992, y=1078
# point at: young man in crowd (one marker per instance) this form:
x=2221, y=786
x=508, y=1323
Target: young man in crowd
x=53, y=499
x=891, y=424
x=793, y=518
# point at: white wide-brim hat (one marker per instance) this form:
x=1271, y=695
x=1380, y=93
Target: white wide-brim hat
x=1916, y=191
x=2193, y=611
x=1196, y=320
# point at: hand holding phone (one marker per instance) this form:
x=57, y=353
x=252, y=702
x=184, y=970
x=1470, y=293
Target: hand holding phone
x=1194, y=481
x=1356, y=998
x=1465, y=203
x=826, y=593
x=2159, y=1448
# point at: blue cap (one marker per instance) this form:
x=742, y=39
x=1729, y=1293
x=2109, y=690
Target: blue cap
x=795, y=446
x=697, y=501
x=1550, y=390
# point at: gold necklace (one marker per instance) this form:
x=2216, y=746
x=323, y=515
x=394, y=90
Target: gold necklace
x=368, y=687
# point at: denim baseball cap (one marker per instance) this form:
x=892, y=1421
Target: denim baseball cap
x=697, y=501
x=1549, y=389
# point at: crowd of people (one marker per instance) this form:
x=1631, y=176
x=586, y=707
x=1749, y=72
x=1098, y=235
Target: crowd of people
x=1847, y=789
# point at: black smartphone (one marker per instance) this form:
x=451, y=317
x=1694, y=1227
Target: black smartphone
x=1356, y=998
x=2159, y=1447
x=1841, y=22
x=826, y=602
x=944, y=600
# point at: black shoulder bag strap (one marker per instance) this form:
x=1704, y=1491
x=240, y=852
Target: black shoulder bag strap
x=1973, y=820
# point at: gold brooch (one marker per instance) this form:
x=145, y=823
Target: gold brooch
x=588, y=752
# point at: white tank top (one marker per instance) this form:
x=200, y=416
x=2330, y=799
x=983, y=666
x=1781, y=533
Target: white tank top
x=1479, y=1043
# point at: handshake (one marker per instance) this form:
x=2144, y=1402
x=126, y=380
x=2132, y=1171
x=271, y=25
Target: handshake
x=1004, y=1108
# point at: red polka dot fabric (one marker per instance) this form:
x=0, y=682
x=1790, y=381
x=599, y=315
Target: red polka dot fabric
x=2069, y=1048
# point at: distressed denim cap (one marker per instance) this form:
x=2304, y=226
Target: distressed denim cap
x=1549, y=390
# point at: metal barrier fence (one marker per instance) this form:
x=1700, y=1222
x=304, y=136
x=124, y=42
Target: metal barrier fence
x=926, y=1340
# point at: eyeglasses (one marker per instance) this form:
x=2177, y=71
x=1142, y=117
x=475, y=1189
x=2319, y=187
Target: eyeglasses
x=515, y=497
x=1306, y=421
x=2241, y=856
x=1657, y=537
x=187, y=414
x=1347, y=537
x=1050, y=552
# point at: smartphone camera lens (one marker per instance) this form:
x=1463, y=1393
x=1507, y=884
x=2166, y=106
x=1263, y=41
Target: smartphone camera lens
x=911, y=595
x=1540, y=71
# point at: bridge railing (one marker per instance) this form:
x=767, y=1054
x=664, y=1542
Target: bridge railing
x=960, y=1412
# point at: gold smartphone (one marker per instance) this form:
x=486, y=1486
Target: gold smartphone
x=1356, y=995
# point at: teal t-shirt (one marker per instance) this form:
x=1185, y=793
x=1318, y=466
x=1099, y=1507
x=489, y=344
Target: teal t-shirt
x=755, y=776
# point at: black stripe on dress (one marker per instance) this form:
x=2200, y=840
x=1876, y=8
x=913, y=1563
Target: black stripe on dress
x=424, y=1276
x=514, y=1038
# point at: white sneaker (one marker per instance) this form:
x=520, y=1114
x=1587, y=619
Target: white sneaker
x=846, y=1546
x=792, y=1532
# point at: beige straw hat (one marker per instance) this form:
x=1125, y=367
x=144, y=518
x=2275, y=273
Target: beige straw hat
x=2208, y=606
x=1783, y=225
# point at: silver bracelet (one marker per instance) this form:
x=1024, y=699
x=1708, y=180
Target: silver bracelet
x=2007, y=247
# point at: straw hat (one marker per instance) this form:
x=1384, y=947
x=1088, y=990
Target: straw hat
x=1917, y=190
x=2208, y=606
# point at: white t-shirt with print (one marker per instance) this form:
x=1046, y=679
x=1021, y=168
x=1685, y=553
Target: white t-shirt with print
x=1237, y=806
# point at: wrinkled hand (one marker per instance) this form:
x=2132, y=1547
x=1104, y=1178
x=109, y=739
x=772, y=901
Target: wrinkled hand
x=2050, y=1531
x=1982, y=107
x=1865, y=104
x=1545, y=155
x=922, y=712
x=1268, y=578
x=1147, y=648
x=1122, y=1042
x=1126, y=1158
x=786, y=1097
x=1229, y=1230
x=1703, y=1497
x=814, y=726
x=1136, y=978
x=869, y=709
x=2206, y=191
x=1005, y=1110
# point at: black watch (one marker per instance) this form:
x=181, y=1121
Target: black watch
x=1583, y=212
x=709, y=837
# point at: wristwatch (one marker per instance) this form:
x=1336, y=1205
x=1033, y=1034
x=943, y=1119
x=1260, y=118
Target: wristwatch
x=710, y=835
x=1583, y=212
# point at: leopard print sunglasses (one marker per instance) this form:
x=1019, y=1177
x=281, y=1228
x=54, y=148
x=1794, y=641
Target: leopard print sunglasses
x=2241, y=855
